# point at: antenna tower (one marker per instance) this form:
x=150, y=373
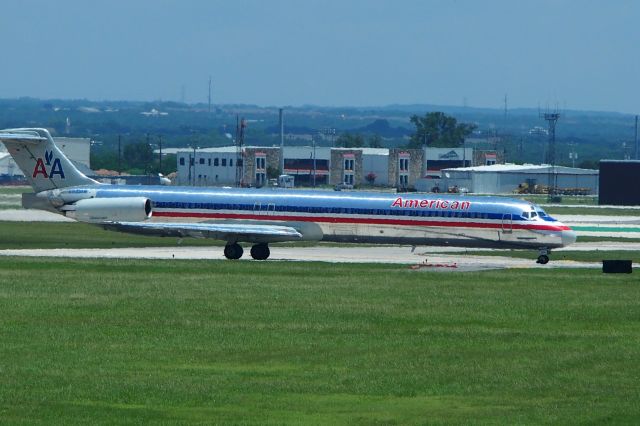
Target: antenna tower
x=209, y=109
x=505, y=106
x=552, y=119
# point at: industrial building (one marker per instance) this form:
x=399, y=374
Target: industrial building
x=430, y=169
x=309, y=165
x=508, y=178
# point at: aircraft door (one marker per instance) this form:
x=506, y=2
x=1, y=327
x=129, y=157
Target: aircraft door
x=271, y=209
x=507, y=223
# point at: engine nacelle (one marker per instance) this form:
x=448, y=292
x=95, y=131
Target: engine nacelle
x=120, y=209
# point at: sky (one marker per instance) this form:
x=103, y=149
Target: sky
x=580, y=55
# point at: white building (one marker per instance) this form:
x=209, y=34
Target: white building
x=207, y=166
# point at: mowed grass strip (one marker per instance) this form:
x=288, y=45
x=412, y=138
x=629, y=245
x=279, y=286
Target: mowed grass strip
x=133, y=341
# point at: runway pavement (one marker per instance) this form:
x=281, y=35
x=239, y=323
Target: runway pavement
x=423, y=258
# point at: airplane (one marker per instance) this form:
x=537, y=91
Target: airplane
x=263, y=216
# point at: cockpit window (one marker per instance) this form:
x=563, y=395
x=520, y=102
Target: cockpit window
x=533, y=214
x=525, y=215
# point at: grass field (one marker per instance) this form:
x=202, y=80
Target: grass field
x=90, y=341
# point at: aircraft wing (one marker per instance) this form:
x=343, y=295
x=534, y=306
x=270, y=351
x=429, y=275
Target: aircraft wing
x=230, y=232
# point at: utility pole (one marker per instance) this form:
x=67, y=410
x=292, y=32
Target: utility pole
x=505, y=106
x=636, y=137
x=240, y=125
x=209, y=109
x=314, y=161
x=281, y=117
x=119, y=156
x=148, y=166
x=160, y=156
x=194, y=166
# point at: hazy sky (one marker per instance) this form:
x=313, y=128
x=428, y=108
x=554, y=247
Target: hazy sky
x=577, y=54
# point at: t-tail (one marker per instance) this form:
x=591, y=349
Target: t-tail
x=42, y=163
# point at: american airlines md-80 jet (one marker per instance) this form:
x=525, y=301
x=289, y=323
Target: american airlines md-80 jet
x=260, y=217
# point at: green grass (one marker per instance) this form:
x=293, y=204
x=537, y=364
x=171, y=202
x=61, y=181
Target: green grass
x=590, y=211
x=574, y=255
x=29, y=235
x=567, y=199
x=11, y=196
x=590, y=239
x=14, y=190
x=90, y=341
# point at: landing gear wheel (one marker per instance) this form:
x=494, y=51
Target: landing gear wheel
x=233, y=251
x=543, y=259
x=260, y=252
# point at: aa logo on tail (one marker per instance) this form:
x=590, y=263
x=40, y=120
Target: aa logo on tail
x=54, y=169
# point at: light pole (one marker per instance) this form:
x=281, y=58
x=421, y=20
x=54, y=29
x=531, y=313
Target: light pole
x=194, y=165
x=160, y=155
x=314, y=161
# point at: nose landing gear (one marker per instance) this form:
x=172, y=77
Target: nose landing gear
x=543, y=256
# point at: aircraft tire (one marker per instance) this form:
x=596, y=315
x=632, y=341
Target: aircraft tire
x=543, y=259
x=260, y=252
x=233, y=251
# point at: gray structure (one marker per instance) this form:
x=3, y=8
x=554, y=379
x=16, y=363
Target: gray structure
x=506, y=178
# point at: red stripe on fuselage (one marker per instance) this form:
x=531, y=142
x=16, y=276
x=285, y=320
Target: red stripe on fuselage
x=361, y=220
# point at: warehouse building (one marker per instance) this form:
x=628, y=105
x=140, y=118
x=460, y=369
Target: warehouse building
x=509, y=178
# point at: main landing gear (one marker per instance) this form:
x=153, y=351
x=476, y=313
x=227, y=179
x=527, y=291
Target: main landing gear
x=234, y=251
x=543, y=256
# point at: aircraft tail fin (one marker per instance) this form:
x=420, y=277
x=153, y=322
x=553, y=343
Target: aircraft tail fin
x=42, y=163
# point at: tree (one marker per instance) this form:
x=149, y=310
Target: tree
x=437, y=129
x=375, y=141
x=371, y=178
x=138, y=155
x=347, y=140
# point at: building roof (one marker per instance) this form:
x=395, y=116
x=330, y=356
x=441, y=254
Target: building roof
x=366, y=151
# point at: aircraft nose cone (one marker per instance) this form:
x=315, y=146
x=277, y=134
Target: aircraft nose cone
x=569, y=236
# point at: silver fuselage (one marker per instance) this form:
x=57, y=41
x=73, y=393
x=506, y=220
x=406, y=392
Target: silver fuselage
x=354, y=217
